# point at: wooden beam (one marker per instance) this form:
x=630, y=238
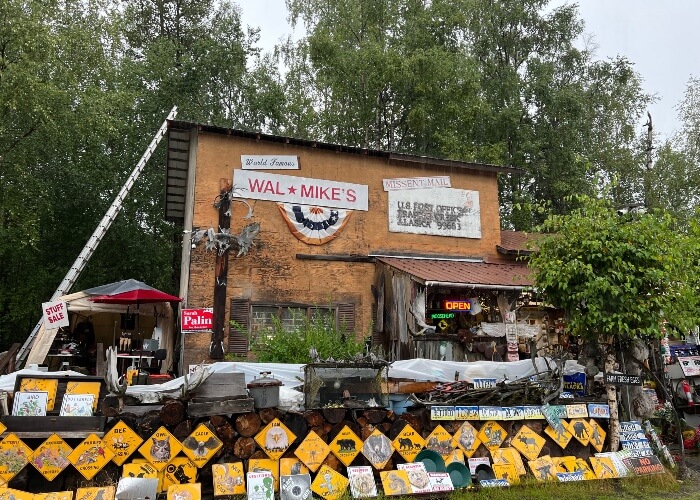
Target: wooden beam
x=227, y=407
x=336, y=257
x=7, y=360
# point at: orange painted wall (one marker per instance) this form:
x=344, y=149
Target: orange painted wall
x=271, y=272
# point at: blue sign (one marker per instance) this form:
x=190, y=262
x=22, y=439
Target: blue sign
x=575, y=384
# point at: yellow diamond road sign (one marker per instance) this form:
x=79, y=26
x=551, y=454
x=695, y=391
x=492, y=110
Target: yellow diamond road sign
x=201, y=445
x=51, y=457
x=14, y=455
x=492, y=434
x=90, y=456
x=96, y=493
x=408, y=443
x=312, y=451
x=122, y=441
x=377, y=449
x=440, y=441
x=275, y=438
x=528, y=442
x=228, y=479
x=346, y=445
x=160, y=448
x=466, y=438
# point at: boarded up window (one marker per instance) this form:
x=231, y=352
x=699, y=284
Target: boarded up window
x=238, y=330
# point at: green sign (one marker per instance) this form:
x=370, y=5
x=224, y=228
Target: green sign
x=442, y=315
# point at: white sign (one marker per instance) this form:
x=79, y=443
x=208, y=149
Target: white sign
x=416, y=183
x=289, y=189
x=55, y=314
x=436, y=211
x=269, y=162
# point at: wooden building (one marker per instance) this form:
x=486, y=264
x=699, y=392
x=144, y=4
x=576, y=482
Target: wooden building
x=407, y=250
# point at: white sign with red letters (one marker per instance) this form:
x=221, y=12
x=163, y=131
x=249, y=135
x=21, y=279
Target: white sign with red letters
x=55, y=314
x=197, y=320
x=258, y=185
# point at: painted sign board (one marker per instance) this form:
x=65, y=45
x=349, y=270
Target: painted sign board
x=275, y=438
x=201, y=445
x=439, y=212
x=329, y=484
x=442, y=181
x=160, y=448
x=47, y=385
x=621, y=379
x=269, y=162
x=55, y=314
x=51, y=457
x=197, y=320
x=90, y=456
x=346, y=445
x=228, y=479
x=362, y=483
x=123, y=442
x=408, y=443
x=643, y=466
x=289, y=189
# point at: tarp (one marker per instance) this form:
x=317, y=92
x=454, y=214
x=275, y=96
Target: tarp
x=80, y=302
x=292, y=375
x=444, y=371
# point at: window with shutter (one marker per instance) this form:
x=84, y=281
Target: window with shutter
x=346, y=317
x=376, y=334
x=238, y=331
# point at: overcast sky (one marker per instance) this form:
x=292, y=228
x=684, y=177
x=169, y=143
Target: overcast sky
x=662, y=39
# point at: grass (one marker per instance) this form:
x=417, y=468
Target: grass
x=661, y=486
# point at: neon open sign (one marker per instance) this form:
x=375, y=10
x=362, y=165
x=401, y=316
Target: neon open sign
x=458, y=305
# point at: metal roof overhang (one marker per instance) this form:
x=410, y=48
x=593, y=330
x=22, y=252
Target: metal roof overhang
x=463, y=274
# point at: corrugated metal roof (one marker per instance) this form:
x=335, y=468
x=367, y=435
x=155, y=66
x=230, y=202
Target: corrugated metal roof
x=466, y=273
x=517, y=242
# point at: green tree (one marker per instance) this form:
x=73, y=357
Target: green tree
x=617, y=276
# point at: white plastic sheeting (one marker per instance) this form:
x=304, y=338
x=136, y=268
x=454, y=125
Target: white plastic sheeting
x=444, y=371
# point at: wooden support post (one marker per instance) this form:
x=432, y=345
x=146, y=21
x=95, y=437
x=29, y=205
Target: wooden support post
x=100, y=355
x=216, y=348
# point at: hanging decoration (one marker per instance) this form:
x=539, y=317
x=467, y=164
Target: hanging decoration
x=312, y=224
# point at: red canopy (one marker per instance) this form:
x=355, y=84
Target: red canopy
x=129, y=292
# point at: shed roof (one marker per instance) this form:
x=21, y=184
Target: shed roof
x=461, y=274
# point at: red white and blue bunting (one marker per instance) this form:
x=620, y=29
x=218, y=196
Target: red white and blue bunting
x=314, y=225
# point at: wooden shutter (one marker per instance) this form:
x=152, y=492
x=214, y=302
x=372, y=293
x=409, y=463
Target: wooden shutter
x=238, y=335
x=346, y=317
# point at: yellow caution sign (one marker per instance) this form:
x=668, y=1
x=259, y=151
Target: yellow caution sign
x=274, y=439
x=440, y=441
x=14, y=455
x=201, y=445
x=346, y=445
x=160, y=448
x=312, y=451
x=51, y=457
x=408, y=443
x=122, y=441
x=492, y=434
x=466, y=438
x=377, y=449
x=527, y=442
x=543, y=468
x=561, y=438
x=90, y=456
